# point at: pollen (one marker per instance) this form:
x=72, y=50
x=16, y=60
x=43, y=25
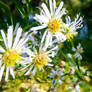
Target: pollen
x=54, y=25
x=41, y=60
x=10, y=57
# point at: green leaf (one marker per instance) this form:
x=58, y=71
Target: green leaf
x=20, y=8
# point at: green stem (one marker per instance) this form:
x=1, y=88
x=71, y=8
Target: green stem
x=71, y=41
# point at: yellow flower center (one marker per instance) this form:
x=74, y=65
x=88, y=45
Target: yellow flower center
x=69, y=36
x=79, y=51
x=10, y=57
x=41, y=60
x=54, y=25
x=56, y=76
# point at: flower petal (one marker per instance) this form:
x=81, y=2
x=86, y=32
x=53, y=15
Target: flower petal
x=59, y=8
x=20, y=44
x=10, y=36
x=51, y=7
x=38, y=27
x=12, y=72
x=2, y=49
x=1, y=72
x=46, y=10
x=4, y=38
x=19, y=31
x=54, y=5
x=7, y=72
x=34, y=71
x=43, y=37
x=29, y=70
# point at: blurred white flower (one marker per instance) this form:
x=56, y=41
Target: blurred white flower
x=11, y=53
x=55, y=75
x=78, y=51
x=76, y=88
x=51, y=19
x=71, y=26
x=24, y=1
x=69, y=55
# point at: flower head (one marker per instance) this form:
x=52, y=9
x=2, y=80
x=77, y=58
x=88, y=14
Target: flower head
x=78, y=51
x=71, y=26
x=38, y=59
x=55, y=75
x=11, y=54
x=51, y=20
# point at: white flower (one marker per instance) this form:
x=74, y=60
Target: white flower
x=69, y=55
x=78, y=51
x=11, y=54
x=75, y=89
x=56, y=75
x=71, y=26
x=51, y=20
x=38, y=59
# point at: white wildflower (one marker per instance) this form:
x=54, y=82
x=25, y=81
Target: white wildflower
x=11, y=53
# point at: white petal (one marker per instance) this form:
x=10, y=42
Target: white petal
x=2, y=49
x=4, y=38
x=47, y=41
x=38, y=27
x=10, y=36
x=7, y=73
x=41, y=18
x=54, y=5
x=79, y=46
x=1, y=72
x=53, y=71
x=61, y=37
x=73, y=49
x=12, y=72
x=49, y=64
x=22, y=43
x=43, y=37
x=59, y=81
x=0, y=62
x=59, y=15
x=50, y=51
x=16, y=28
x=46, y=10
x=29, y=70
x=19, y=31
x=34, y=71
x=59, y=8
x=51, y=7
x=24, y=67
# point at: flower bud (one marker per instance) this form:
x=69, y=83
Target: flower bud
x=86, y=78
x=62, y=63
x=61, y=69
x=72, y=70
